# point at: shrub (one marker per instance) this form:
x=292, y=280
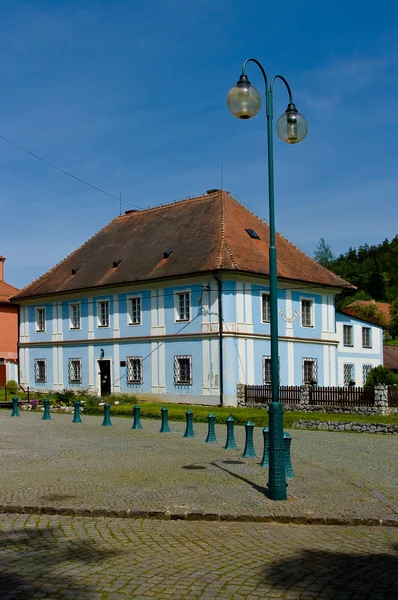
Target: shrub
x=12, y=387
x=64, y=397
x=381, y=375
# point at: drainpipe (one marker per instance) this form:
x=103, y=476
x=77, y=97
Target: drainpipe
x=220, y=340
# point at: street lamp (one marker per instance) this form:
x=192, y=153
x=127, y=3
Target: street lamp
x=244, y=102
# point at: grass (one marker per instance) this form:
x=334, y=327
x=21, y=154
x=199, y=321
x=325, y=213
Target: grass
x=391, y=342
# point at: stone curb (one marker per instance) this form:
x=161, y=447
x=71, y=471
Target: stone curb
x=198, y=515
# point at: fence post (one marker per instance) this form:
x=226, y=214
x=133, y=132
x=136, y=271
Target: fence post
x=189, y=427
x=230, y=443
x=107, y=416
x=381, y=398
x=28, y=393
x=249, y=451
x=165, y=420
x=265, y=459
x=304, y=395
x=240, y=393
x=287, y=441
x=46, y=415
x=137, y=420
x=211, y=433
x=76, y=413
x=15, y=410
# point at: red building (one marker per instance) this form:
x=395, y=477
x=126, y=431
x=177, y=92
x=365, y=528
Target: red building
x=8, y=330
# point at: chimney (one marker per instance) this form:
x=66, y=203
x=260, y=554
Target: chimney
x=2, y=260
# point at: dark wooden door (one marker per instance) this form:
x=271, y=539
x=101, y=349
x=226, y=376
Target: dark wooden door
x=3, y=378
x=105, y=376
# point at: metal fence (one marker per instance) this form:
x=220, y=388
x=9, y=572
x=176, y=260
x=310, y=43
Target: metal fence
x=393, y=396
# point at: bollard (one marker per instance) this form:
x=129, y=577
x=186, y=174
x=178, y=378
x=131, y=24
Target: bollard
x=15, y=410
x=265, y=459
x=189, y=428
x=46, y=415
x=230, y=443
x=165, y=420
x=249, y=451
x=287, y=441
x=107, y=416
x=137, y=420
x=76, y=413
x=211, y=433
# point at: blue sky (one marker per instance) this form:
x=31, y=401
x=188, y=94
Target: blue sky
x=131, y=97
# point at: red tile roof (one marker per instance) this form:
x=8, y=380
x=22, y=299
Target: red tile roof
x=390, y=357
x=6, y=291
x=382, y=307
x=207, y=233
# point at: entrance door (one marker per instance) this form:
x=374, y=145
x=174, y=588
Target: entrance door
x=105, y=376
x=3, y=376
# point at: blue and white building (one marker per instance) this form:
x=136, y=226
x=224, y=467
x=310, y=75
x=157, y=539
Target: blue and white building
x=172, y=303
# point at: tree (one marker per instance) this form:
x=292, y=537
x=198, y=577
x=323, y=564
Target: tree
x=393, y=326
x=381, y=376
x=323, y=254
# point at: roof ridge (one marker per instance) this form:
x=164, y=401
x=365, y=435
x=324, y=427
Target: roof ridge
x=172, y=203
x=223, y=241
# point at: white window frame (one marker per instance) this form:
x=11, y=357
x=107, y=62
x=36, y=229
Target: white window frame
x=267, y=308
x=314, y=362
x=177, y=369
x=312, y=313
x=130, y=299
x=368, y=329
x=347, y=327
x=99, y=314
x=177, y=315
x=365, y=372
x=77, y=371
x=38, y=310
x=72, y=305
x=130, y=370
x=37, y=378
x=350, y=374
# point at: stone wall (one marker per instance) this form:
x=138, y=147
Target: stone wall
x=383, y=428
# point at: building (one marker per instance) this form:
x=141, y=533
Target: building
x=8, y=330
x=390, y=354
x=173, y=302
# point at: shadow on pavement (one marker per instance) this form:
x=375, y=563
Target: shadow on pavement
x=28, y=558
x=337, y=575
x=258, y=488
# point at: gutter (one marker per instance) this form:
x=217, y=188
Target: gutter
x=220, y=340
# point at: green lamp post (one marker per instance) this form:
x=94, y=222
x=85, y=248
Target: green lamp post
x=244, y=102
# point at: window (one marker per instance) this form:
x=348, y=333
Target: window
x=349, y=374
x=74, y=316
x=365, y=373
x=182, y=306
x=183, y=370
x=40, y=319
x=347, y=335
x=75, y=370
x=103, y=313
x=267, y=370
x=366, y=337
x=40, y=370
x=306, y=313
x=134, y=369
x=135, y=311
x=266, y=308
x=310, y=370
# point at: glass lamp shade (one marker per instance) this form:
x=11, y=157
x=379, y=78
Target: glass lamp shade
x=292, y=127
x=243, y=100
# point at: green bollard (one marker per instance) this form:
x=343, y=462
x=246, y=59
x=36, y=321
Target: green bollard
x=265, y=459
x=107, y=416
x=189, y=428
x=76, y=413
x=230, y=443
x=46, y=415
x=249, y=451
x=287, y=441
x=211, y=433
x=137, y=420
x=15, y=410
x=165, y=420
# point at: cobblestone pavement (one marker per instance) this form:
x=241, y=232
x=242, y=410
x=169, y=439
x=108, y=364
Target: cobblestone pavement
x=85, y=558
x=56, y=466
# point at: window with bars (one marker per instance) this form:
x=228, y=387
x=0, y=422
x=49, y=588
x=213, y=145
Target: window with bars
x=183, y=306
x=135, y=311
x=40, y=370
x=310, y=370
x=183, y=370
x=40, y=319
x=103, y=313
x=307, y=313
x=134, y=369
x=347, y=335
x=266, y=308
x=365, y=373
x=366, y=337
x=349, y=374
x=267, y=370
x=74, y=316
x=75, y=370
